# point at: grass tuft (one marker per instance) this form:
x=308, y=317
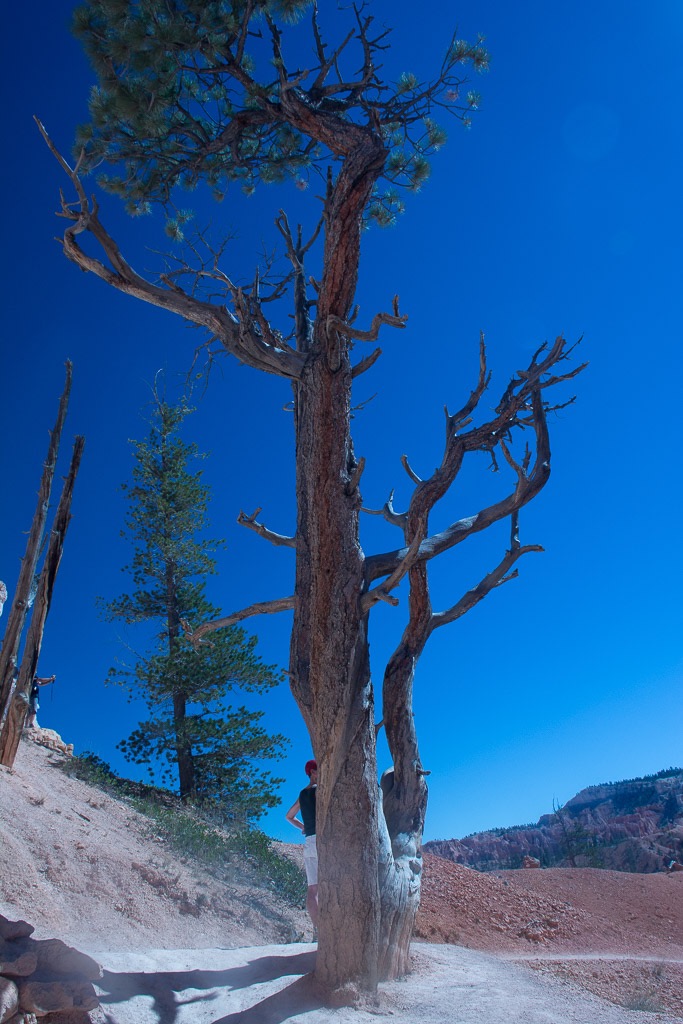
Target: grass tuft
x=192, y=834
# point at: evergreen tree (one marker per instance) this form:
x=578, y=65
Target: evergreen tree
x=209, y=749
x=230, y=94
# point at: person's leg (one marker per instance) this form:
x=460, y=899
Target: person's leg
x=311, y=865
x=312, y=904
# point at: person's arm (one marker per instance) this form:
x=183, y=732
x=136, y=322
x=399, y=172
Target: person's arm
x=43, y=680
x=291, y=816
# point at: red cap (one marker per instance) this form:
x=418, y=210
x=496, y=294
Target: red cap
x=310, y=766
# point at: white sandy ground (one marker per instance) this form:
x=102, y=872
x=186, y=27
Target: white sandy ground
x=260, y=985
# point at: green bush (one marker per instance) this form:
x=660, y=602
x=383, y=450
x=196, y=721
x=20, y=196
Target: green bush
x=190, y=836
x=91, y=769
x=194, y=834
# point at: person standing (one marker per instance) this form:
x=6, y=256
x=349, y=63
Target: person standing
x=33, y=704
x=305, y=805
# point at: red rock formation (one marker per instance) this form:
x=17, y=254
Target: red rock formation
x=635, y=825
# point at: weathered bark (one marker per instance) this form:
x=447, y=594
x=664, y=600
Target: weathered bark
x=331, y=682
x=403, y=787
x=19, y=610
x=330, y=667
x=16, y=715
x=331, y=678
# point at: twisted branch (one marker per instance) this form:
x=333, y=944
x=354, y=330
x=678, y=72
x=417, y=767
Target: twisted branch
x=347, y=329
x=195, y=636
x=250, y=338
x=278, y=539
x=501, y=574
x=522, y=405
x=399, y=519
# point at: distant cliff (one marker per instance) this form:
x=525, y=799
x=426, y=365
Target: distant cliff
x=636, y=825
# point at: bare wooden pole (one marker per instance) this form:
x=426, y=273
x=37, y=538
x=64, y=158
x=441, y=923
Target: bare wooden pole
x=17, y=616
x=16, y=715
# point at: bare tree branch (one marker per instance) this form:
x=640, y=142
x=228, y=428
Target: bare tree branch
x=399, y=519
x=394, y=319
x=355, y=478
x=492, y=579
x=195, y=636
x=522, y=405
x=381, y=592
x=249, y=338
x=461, y=418
x=366, y=362
x=279, y=539
x=406, y=465
x=296, y=251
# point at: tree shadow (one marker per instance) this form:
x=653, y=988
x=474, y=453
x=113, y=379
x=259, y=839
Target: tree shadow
x=163, y=986
x=299, y=997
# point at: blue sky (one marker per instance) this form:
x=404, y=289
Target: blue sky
x=559, y=212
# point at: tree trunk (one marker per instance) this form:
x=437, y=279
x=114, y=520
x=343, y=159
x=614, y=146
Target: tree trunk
x=330, y=665
x=186, y=774
x=404, y=804
x=186, y=778
x=17, y=616
x=16, y=715
x=331, y=679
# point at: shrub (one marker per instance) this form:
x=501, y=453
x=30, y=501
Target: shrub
x=193, y=833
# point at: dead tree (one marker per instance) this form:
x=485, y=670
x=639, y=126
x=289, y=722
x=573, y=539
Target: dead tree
x=369, y=852
x=16, y=715
x=9, y=652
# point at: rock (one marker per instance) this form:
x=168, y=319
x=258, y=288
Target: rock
x=77, y=1017
x=82, y=994
x=9, y=999
x=85, y=996
x=43, y=997
x=531, y=862
x=11, y=930
x=54, y=955
x=48, y=997
x=634, y=826
x=44, y=978
x=17, y=963
x=50, y=739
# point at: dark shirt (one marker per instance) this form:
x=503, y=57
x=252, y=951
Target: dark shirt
x=307, y=808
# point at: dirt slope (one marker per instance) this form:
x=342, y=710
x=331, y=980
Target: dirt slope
x=575, y=910
x=619, y=935
x=83, y=866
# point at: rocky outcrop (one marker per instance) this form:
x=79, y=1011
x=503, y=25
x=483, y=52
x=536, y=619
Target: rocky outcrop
x=635, y=825
x=43, y=980
x=50, y=739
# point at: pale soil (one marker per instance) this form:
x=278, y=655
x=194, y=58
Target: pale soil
x=85, y=867
x=181, y=948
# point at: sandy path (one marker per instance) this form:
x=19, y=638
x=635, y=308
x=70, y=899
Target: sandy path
x=260, y=985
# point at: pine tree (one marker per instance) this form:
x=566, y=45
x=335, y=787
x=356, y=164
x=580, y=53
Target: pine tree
x=229, y=95
x=210, y=750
